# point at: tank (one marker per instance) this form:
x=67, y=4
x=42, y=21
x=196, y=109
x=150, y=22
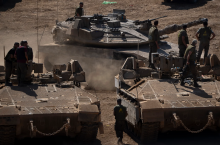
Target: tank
x=53, y=104
x=112, y=30
x=157, y=103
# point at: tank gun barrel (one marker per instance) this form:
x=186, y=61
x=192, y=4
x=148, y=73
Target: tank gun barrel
x=137, y=22
x=174, y=28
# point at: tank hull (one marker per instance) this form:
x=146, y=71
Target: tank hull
x=40, y=110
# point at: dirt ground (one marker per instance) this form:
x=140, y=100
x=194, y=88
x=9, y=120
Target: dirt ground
x=18, y=21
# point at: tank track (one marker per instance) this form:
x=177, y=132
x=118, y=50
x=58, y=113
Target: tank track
x=7, y=135
x=88, y=132
x=150, y=132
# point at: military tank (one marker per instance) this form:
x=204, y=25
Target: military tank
x=156, y=102
x=112, y=30
x=53, y=104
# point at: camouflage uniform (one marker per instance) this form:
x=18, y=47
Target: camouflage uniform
x=153, y=36
x=79, y=11
x=192, y=66
x=182, y=47
x=120, y=114
x=204, y=38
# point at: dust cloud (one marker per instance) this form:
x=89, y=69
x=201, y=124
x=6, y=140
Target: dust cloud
x=99, y=71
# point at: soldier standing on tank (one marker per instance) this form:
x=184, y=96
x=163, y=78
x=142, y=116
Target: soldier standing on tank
x=9, y=60
x=154, y=39
x=22, y=59
x=183, y=41
x=190, y=56
x=204, y=36
x=120, y=114
x=29, y=50
x=79, y=11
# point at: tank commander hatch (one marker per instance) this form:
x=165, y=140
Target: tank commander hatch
x=120, y=113
x=79, y=11
x=190, y=56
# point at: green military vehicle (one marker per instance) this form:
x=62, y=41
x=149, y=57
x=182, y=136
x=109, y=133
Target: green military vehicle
x=156, y=102
x=53, y=104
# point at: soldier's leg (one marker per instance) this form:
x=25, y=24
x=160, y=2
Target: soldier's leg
x=185, y=74
x=150, y=54
x=182, y=50
x=206, y=48
x=18, y=73
x=8, y=70
x=23, y=67
x=193, y=70
x=201, y=47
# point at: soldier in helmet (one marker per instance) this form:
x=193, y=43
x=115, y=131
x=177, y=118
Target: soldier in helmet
x=154, y=39
x=9, y=59
x=79, y=11
x=204, y=36
x=183, y=41
x=190, y=56
x=120, y=113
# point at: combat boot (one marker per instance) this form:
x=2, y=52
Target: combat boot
x=120, y=141
x=182, y=82
x=196, y=84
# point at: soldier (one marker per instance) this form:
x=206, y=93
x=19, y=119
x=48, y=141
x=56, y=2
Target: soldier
x=79, y=11
x=9, y=59
x=120, y=114
x=204, y=36
x=22, y=60
x=29, y=49
x=183, y=41
x=190, y=56
x=154, y=39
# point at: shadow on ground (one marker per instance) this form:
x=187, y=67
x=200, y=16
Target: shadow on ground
x=54, y=141
x=8, y=4
x=184, y=5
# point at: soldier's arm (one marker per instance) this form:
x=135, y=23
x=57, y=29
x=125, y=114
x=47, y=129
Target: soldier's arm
x=15, y=55
x=184, y=42
x=188, y=57
x=157, y=38
x=26, y=55
x=213, y=36
x=197, y=34
x=126, y=113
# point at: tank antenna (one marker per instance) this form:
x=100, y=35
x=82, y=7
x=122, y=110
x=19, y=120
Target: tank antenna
x=37, y=34
x=57, y=10
x=138, y=50
x=4, y=50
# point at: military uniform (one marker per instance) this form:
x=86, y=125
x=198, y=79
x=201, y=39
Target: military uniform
x=204, y=38
x=21, y=64
x=153, y=36
x=120, y=113
x=192, y=66
x=79, y=11
x=9, y=64
x=182, y=47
